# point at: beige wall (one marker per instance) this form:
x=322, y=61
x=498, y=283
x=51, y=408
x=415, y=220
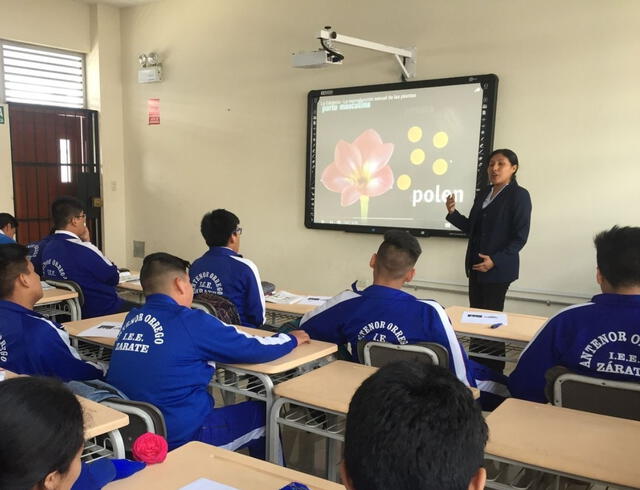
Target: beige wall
x=233, y=116
x=95, y=30
x=104, y=94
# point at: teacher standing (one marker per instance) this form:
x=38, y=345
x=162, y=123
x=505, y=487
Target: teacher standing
x=498, y=228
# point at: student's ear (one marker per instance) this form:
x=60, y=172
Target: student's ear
x=478, y=480
x=410, y=275
x=372, y=262
x=23, y=280
x=599, y=278
x=51, y=481
x=181, y=284
x=344, y=476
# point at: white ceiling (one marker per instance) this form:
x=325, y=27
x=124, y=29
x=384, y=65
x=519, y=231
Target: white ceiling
x=120, y=3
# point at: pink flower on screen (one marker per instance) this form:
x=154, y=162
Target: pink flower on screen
x=360, y=168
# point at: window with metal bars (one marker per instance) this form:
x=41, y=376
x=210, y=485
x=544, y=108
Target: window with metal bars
x=37, y=75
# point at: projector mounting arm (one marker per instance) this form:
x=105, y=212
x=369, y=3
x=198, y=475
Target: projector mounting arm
x=406, y=58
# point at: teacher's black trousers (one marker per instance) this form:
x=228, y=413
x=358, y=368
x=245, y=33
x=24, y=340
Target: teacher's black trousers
x=488, y=296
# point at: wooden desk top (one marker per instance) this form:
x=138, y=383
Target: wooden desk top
x=519, y=327
x=295, y=308
x=55, y=295
x=579, y=443
x=198, y=460
x=75, y=328
x=131, y=286
x=331, y=386
x=98, y=419
x=300, y=355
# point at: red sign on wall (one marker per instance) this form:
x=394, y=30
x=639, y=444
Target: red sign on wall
x=153, y=107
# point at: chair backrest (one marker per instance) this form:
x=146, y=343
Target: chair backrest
x=218, y=306
x=267, y=287
x=379, y=354
x=69, y=285
x=143, y=417
x=596, y=395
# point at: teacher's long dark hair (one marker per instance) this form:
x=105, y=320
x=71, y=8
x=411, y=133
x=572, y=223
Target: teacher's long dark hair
x=41, y=434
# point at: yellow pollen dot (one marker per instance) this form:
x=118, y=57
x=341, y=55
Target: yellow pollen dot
x=440, y=139
x=403, y=182
x=417, y=156
x=440, y=166
x=414, y=134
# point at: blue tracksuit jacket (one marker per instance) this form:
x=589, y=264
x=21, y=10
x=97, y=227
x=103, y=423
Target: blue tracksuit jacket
x=223, y=271
x=35, y=253
x=32, y=344
x=5, y=239
x=600, y=339
x=165, y=354
x=386, y=314
x=68, y=257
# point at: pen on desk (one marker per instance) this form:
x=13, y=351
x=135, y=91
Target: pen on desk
x=313, y=299
x=495, y=325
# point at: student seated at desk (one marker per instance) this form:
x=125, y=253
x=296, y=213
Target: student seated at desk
x=412, y=425
x=8, y=227
x=222, y=270
x=69, y=254
x=166, y=354
x=29, y=342
x=600, y=338
x=384, y=313
x=42, y=429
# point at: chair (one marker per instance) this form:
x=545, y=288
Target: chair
x=143, y=417
x=75, y=305
x=379, y=354
x=596, y=395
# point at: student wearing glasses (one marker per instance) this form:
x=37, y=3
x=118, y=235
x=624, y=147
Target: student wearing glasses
x=69, y=254
x=222, y=270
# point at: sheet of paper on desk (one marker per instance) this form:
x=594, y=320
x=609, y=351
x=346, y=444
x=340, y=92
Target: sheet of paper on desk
x=109, y=330
x=206, y=484
x=314, y=300
x=283, y=298
x=483, y=318
x=128, y=277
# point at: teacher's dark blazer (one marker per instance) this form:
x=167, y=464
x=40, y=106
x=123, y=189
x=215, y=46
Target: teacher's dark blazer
x=505, y=230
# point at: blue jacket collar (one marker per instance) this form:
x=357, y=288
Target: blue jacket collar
x=15, y=307
x=160, y=300
x=221, y=251
x=376, y=291
x=617, y=299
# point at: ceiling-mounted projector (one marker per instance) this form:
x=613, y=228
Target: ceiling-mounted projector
x=315, y=59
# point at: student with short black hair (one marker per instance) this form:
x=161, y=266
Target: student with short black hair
x=69, y=254
x=42, y=434
x=222, y=270
x=600, y=338
x=8, y=228
x=166, y=352
x=413, y=425
x=29, y=342
x=384, y=313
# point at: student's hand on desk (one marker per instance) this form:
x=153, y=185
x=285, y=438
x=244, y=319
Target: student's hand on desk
x=484, y=266
x=301, y=336
x=451, y=203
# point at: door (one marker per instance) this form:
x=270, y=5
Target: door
x=54, y=153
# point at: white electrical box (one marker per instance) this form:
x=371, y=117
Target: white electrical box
x=150, y=75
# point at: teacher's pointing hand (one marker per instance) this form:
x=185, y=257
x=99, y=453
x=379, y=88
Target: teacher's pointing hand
x=484, y=266
x=451, y=203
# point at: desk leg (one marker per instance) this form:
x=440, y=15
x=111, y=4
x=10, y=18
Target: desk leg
x=274, y=447
x=332, y=463
x=117, y=444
